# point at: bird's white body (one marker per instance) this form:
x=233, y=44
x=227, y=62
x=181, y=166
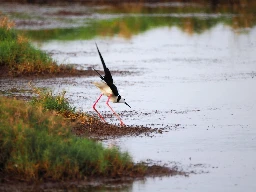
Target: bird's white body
x=105, y=90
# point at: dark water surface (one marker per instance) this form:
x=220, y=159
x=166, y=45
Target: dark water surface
x=192, y=65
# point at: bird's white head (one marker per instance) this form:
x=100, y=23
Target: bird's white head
x=120, y=99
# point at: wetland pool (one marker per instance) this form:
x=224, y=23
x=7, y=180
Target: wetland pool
x=204, y=81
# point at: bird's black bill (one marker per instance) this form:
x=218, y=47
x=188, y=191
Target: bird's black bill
x=127, y=104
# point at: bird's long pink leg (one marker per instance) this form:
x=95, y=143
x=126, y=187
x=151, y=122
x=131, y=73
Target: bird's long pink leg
x=94, y=105
x=121, y=122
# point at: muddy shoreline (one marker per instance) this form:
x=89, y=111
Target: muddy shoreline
x=5, y=73
x=96, y=130
x=12, y=184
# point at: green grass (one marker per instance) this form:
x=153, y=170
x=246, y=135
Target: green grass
x=18, y=54
x=50, y=101
x=35, y=144
x=58, y=103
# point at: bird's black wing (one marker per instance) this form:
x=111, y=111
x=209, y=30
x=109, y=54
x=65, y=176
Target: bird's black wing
x=108, y=77
x=113, y=88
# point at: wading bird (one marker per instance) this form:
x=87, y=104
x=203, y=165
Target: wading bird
x=108, y=88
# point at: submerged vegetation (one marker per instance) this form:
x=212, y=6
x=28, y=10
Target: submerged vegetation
x=36, y=144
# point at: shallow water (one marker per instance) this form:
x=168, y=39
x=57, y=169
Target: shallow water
x=203, y=81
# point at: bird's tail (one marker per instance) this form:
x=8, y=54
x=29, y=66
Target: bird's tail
x=101, y=58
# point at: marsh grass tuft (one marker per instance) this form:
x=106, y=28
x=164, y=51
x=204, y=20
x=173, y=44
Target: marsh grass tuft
x=37, y=145
x=48, y=100
x=20, y=56
x=58, y=103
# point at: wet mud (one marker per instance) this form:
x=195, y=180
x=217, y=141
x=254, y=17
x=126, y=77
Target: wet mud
x=89, y=72
x=92, y=183
x=99, y=130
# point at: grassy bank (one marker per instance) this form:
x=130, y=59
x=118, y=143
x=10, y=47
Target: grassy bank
x=59, y=104
x=19, y=57
x=36, y=144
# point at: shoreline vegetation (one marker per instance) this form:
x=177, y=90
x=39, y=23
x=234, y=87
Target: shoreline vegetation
x=37, y=145
x=18, y=58
x=36, y=139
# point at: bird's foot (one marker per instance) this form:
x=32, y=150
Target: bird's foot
x=122, y=123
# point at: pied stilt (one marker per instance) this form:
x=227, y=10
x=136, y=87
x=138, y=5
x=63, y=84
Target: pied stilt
x=108, y=88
